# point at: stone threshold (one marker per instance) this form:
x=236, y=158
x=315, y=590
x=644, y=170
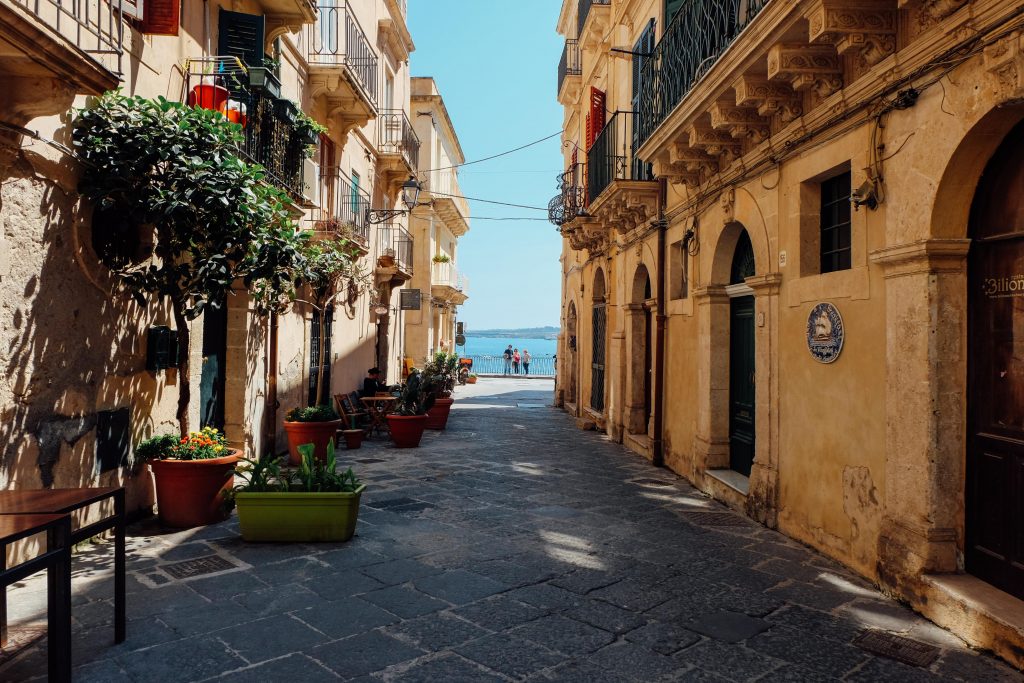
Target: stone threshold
x=976, y=611
x=728, y=486
x=639, y=444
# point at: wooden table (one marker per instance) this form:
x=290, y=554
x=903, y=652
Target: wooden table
x=57, y=563
x=378, y=408
x=66, y=501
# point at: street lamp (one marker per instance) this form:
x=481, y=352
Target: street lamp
x=410, y=197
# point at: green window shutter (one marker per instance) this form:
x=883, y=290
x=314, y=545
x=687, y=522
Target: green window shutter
x=241, y=35
x=671, y=7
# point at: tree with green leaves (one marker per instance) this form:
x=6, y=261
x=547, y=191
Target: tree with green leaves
x=215, y=219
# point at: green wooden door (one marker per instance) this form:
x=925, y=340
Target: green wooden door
x=741, y=385
x=212, y=382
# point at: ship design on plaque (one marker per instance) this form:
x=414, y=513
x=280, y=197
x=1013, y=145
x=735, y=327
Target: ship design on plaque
x=825, y=333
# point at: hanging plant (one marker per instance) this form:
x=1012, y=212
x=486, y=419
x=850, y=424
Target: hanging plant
x=215, y=220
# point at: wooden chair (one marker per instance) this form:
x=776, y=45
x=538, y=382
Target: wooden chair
x=348, y=411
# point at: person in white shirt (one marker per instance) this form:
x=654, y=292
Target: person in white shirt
x=526, y=361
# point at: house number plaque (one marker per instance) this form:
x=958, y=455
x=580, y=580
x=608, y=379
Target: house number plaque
x=825, y=333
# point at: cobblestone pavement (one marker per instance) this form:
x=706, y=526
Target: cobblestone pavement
x=511, y=547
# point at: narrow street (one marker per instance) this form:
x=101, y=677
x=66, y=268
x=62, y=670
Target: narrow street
x=510, y=547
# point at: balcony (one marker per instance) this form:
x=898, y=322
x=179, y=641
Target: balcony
x=77, y=43
x=597, y=10
x=621, y=191
x=443, y=192
x=398, y=148
x=570, y=66
x=447, y=284
x=394, y=252
x=271, y=139
x=342, y=209
x=342, y=65
x=570, y=202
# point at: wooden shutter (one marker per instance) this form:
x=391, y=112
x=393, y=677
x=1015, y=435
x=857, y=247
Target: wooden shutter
x=131, y=8
x=596, y=118
x=671, y=7
x=642, y=52
x=241, y=35
x=589, y=134
x=161, y=17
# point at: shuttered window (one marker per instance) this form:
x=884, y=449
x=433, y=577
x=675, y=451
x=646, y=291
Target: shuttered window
x=596, y=117
x=161, y=17
x=241, y=35
x=671, y=7
x=642, y=51
x=132, y=8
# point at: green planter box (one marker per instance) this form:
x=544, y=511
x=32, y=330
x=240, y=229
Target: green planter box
x=298, y=517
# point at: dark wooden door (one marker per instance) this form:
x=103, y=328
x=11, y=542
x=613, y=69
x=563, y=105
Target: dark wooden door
x=213, y=379
x=648, y=366
x=597, y=360
x=995, y=450
x=741, y=384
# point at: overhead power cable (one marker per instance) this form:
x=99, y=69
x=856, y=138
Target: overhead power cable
x=488, y=201
x=495, y=156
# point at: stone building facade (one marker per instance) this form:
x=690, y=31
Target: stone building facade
x=792, y=246
x=76, y=394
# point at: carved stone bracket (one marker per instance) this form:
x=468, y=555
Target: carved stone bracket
x=715, y=143
x=1004, y=62
x=769, y=98
x=592, y=236
x=934, y=9
x=806, y=67
x=632, y=205
x=677, y=174
x=865, y=28
x=739, y=122
x=278, y=25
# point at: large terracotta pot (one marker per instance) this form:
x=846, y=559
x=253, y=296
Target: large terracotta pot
x=191, y=492
x=407, y=430
x=437, y=417
x=317, y=433
x=208, y=96
x=353, y=438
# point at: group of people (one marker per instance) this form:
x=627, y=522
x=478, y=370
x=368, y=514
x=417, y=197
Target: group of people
x=513, y=361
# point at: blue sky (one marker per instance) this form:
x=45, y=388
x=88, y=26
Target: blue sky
x=496, y=64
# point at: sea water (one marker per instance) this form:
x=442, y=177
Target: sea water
x=495, y=346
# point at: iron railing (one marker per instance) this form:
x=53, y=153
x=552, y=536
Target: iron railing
x=343, y=207
x=540, y=366
x=337, y=39
x=571, y=199
x=94, y=26
x=395, y=242
x=571, y=63
x=611, y=156
x=396, y=136
x=694, y=40
x=583, y=10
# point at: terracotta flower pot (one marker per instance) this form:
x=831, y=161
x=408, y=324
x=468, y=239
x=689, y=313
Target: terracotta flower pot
x=353, y=438
x=191, y=492
x=437, y=417
x=471, y=380
x=407, y=430
x=317, y=433
x=208, y=96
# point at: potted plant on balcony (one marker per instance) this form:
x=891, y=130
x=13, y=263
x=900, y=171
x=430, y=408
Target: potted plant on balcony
x=313, y=503
x=192, y=475
x=175, y=169
x=409, y=416
x=263, y=78
x=308, y=130
x=442, y=372
x=442, y=258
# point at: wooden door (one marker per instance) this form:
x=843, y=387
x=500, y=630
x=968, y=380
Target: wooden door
x=213, y=380
x=995, y=450
x=741, y=384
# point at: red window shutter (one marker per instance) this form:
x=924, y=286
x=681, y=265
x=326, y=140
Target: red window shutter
x=590, y=133
x=161, y=17
x=596, y=116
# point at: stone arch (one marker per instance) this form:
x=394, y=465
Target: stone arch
x=599, y=290
x=639, y=378
x=641, y=289
x=725, y=249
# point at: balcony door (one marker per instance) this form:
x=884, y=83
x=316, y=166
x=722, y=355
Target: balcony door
x=741, y=359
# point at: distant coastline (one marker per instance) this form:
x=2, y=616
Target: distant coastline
x=547, y=332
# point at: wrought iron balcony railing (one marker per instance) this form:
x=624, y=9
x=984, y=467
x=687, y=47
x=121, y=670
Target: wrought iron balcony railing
x=343, y=207
x=395, y=242
x=694, y=40
x=337, y=39
x=571, y=63
x=94, y=26
x=611, y=157
x=571, y=199
x=396, y=136
x=583, y=11
x=271, y=138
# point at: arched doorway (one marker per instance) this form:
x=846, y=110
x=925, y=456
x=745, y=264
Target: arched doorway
x=994, y=494
x=597, y=356
x=641, y=362
x=571, y=367
x=741, y=358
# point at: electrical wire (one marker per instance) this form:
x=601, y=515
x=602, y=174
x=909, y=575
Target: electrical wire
x=495, y=156
x=488, y=201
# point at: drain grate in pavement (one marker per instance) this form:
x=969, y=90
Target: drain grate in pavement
x=197, y=567
x=651, y=482
x=897, y=647
x=370, y=461
x=715, y=518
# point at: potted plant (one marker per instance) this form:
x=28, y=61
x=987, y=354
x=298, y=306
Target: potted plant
x=353, y=438
x=443, y=371
x=192, y=475
x=471, y=379
x=264, y=78
x=442, y=258
x=312, y=503
x=307, y=129
x=315, y=425
x=409, y=416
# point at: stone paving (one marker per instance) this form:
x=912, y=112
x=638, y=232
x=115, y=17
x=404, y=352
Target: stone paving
x=511, y=547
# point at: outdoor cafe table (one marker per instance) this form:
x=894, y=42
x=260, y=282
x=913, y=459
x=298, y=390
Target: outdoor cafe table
x=66, y=501
x=57, y=563
x=378, y=407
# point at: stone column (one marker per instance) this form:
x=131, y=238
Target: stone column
x=926, y=379
x=634, y=399
x=711, y=445
x=763, y=495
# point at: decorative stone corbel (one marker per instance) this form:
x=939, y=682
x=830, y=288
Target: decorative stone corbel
x=865, y=28
x=934, y=10
x=278, y=25
x=1004, y=62
x=727, y=200
x=769, y=98
x=715, y=143
x=740, y=122
x=806, y=67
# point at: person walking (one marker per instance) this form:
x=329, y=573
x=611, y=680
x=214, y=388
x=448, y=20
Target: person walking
x=508, y=360
x=515, y=361
x=526, y=362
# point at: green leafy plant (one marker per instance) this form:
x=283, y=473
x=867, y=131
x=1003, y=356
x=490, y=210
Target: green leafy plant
x=416, y=396
x=442, y=371
x=215, y=220
x=308, y=128
x=442, y=258
x=266, y=475
x=321, y=413
x=205, y=444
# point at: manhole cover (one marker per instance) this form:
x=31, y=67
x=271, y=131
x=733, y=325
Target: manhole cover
x=651, y=482
x=197, y=567
x=369, y=461
x=715, y=518
x=897, y=647
x=392, y=503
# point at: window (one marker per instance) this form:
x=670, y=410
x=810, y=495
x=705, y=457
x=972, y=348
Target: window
x=835, y=223
x=389, y=91
x=241, y=35
x=355, y=193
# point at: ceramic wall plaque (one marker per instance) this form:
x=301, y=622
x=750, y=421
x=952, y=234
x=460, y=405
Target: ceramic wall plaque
x=825, y=333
